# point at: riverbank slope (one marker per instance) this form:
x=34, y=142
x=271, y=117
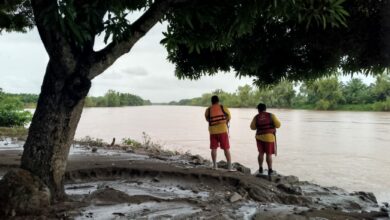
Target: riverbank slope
x=138, y=181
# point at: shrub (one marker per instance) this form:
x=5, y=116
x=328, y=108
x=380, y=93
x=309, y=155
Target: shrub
x=382, y=106
x=12, y=113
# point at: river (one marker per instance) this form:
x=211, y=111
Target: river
x=350, y=150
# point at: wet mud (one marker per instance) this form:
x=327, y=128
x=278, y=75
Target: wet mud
x=121, y=183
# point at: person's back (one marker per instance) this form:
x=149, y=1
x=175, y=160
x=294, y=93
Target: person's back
x=218, y=117
x=265, y=125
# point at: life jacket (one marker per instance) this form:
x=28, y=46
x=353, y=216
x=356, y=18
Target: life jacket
x=217, y=115
x=264, y=123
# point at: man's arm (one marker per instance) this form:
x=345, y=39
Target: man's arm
x=276, y=121
x=228, y=113
x=253, y=123
x=207, y=114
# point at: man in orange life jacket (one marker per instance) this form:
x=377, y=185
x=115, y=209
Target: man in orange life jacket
x=218, y=117
x=265, y=125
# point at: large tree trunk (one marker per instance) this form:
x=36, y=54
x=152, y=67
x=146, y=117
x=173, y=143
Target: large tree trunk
x=53, y=126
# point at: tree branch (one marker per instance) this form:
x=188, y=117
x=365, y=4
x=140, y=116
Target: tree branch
x=104, y=58
x=55, y=44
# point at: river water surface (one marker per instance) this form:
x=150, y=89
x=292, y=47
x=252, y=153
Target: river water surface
x=350, y=150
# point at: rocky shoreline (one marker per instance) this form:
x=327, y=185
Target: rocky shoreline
x=142, y=181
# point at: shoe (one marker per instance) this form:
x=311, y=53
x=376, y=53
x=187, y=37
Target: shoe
x=261, y=170
x=215, y=166
x=230, y=168
x=271, y=172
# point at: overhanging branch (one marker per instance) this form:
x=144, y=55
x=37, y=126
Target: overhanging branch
x=104, y=58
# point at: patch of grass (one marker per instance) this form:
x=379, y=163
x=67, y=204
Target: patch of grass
x=90, y=141
x=131, y=143
x=19, y=132
x=356, y=107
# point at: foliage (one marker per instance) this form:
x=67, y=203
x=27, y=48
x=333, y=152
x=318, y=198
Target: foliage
x=11, y=112
x=272, y=46
x=323, y=94
x=356, y=92
x=90, y=141
x=131, y=142
x=115, y=99
x=18, y=132
x=28, y=100
x=382, y=106
x=270, y=40
x=15, y=15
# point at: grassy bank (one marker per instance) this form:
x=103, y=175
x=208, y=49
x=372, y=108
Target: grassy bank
x=19, y=132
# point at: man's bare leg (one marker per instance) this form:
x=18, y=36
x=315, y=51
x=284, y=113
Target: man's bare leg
x=260, y=159
x=214, y=158
x=228, y=159
x=269, y=163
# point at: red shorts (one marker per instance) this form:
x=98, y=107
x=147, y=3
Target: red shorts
x=219, y=140
x=267, y=147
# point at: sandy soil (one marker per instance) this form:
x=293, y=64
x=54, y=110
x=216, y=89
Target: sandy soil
x=122, y=183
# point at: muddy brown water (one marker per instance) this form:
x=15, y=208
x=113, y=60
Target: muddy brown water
x=350, y=150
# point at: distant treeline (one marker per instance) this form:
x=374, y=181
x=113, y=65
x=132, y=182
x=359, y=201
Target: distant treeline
x=110, y=99
x=322, y=94
x=115, y=99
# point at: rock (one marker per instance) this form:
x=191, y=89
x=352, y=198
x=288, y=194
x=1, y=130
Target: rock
x=290, y=189
x=80, y=187
x=195, y=190
x=235, y=197
x=222, y=164
x=94, y=149
x=366, y=196
x=197, y=160
x=241, y=168
x=118, y=214
x=384, y=209
x=23, y=193
x=386, y=204
x=156, y=180
x=287, y=180
x=107, y=196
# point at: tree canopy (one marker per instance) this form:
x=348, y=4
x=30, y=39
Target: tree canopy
x=269, y=40
x=327, y=93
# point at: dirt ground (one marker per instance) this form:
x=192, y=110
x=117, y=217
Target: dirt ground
x=122, y=183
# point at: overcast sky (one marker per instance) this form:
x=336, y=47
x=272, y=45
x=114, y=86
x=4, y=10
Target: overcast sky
x=144, y=71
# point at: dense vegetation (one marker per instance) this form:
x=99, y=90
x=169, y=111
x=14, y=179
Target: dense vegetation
x=12, y=111
x=115, y=99
x=110, y=99
x=323, y=94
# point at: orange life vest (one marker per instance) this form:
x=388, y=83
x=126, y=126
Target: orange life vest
x=264, y=123
x=217, y=115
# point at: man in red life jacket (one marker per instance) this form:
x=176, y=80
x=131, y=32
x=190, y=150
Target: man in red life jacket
x=218, y=117
x=265, y=125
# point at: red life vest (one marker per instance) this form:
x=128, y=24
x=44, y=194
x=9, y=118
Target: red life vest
x=264, y=123
x=217, y=115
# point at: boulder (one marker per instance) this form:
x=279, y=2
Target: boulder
x=22, y=193
x=197, y=160
x=235, y=197
x=366, y=196
x=290, y=189
x=287, y=180
x=241, y=168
